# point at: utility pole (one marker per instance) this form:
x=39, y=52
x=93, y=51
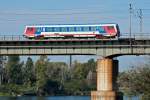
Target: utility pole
x=130, y=26
x=140, y=15
x=130, y=19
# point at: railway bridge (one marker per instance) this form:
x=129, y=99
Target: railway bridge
x=107, y=68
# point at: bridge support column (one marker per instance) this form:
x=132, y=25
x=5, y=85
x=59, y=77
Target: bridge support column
x=105, y=80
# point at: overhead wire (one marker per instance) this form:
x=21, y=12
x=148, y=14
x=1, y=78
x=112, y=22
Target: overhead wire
x=45, y=15
x=41, y=14
x=56, y=13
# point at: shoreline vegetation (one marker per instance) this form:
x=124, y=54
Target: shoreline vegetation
x=46, y=78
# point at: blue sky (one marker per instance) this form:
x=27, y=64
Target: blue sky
x=16, y=14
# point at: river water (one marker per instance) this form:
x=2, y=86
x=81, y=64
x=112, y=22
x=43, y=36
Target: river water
x=47, y=98
x=55, y=98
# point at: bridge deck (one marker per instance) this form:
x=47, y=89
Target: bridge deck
x=105, y=47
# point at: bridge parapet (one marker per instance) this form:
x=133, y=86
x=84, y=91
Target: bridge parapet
x=139, y=36
x=105, y=48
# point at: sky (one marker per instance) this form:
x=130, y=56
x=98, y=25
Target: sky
x=16, y=14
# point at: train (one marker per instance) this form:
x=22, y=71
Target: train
x=98, y=31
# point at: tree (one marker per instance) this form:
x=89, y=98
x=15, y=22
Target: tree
x=136, y=82
x=79, y=82
x=14, y=70
x=57, y=70
x=57, y=73
x=41, y=77
x=2, y=60
x=81, y=70
x=77, y=71
x=29, y=76
x=89, y=66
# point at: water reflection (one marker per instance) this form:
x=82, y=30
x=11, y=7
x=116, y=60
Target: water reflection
x=47, y=98
x=56, y=98
x=131, y=98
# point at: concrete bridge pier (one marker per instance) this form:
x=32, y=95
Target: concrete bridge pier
x=107, y=71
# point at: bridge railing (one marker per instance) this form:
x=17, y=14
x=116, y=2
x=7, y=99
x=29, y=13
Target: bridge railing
x=136, y=35
x=123, y=35
x=12, y=38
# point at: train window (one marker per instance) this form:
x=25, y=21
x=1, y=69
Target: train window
x=71, y=29
x=110, y=27
x=38, y=29
x=93, y=28
x=67, y=29
x=75, y=29
x=56, y=29
x=63, y=29
x=30, y=29
x=89, y=28
x=82, y=28
x=59, y=29
x=100, y=29
x=78, y=29
x=85, y=28
x=43, y=29
x=49, y=29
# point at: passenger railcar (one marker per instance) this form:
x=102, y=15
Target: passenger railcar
x=72, y=31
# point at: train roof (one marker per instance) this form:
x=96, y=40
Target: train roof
x=71, y=25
